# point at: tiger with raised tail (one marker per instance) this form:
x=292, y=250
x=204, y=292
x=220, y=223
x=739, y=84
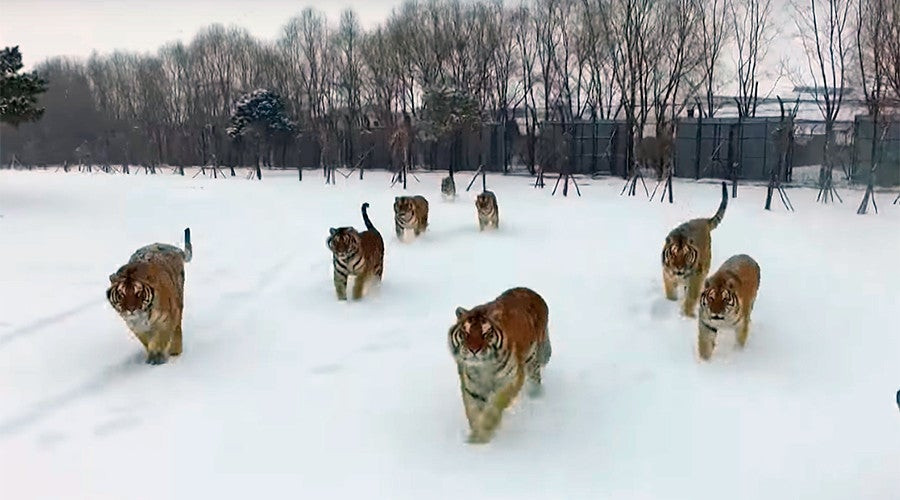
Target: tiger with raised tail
x=148, y=293
x=357, y=255
x=410, y=216
x=686, y=256
x=727, y=301
x=488, y=212
x=496, y=346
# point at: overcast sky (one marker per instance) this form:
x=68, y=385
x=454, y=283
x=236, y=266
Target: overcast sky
x=46, y=28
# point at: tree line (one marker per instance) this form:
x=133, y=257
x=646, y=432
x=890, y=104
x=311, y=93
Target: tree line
x=642, y=61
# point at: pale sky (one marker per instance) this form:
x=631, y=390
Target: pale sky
x=46, y=28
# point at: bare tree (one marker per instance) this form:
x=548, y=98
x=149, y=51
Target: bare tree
x=752, y=36
x=600, y=92
x=382, y=79
x=873, y=21
x=522, y=20
x=675, y=60
x=349, y=75
x=628, y=37
x=825, y=35
x=508, y=93
x=714, y=36
x=890, y=59
x=783, y=136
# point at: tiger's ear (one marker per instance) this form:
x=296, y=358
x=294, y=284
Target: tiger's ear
x=460, y=312
x=730, y=283
x=333, y=231
x=112, y=278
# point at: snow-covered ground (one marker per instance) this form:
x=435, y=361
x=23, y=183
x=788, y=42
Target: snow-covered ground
x=284, y=392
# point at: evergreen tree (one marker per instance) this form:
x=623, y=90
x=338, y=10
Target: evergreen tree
x=261, y=110
x=261, y=114
x=447, y=113
x=18, y=92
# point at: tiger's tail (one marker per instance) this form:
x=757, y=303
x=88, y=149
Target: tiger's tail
x=365, y=216
x=188, y=248
x=720, y=213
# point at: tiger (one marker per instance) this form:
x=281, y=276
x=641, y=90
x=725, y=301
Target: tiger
x=727, y=301
x=410, y=216
x=448, y=188
x=686, y=256
x=360, y=255
x=488, y=212
x=148, y=293
x=495, y=346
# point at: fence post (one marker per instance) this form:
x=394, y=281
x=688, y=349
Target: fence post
x=697, y=142
x=593, y=141
x=766, y=141
x=613, y=160
x=501, y=130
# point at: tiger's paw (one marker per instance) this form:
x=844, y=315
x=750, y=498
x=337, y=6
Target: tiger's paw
x=535, y=390
x=478, y=438
x=156, y=358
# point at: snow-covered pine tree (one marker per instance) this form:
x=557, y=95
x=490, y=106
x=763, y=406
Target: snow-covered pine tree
x=18, y=92
x=261, y=114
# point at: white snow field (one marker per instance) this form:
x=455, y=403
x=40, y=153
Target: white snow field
x=285, y=392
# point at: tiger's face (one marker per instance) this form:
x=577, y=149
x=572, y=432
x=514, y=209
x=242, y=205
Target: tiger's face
x=719, y=302
x=484, y=203
x=475, y=338
x=680, y=256
x=343, y=241
x=404, y=208
x=128, y=295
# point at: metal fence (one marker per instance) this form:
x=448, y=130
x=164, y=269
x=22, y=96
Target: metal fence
x=714, y=147
x=886, y=142
x=703, y=147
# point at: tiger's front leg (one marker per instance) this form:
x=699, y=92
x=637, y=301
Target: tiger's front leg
x=359, y=284
x=144, y=337
x=158, y=347
x=706, y=340
x=692, y=295
x=670, y=286
x=472, y=404
x=175, y=348
x=493, y=411
x=340, y=285
x=743, y=330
